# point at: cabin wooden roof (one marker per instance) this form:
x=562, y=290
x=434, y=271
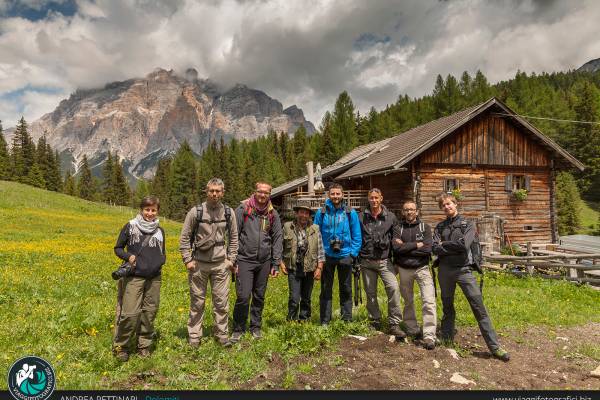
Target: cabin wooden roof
x=405, y=146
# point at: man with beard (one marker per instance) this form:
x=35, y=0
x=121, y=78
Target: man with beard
x=259, y=255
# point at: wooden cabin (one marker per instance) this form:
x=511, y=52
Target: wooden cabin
x=487, y=153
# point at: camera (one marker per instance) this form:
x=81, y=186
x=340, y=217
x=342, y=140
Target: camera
x=125, y=269
x=336, y=245
x=300, y=254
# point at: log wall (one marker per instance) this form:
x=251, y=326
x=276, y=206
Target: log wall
x=488, y=140
x=533, y=212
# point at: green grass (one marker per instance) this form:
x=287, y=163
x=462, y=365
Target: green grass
x=57, y=301
x=589, y=217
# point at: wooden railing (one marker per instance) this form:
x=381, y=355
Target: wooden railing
x=356, y=199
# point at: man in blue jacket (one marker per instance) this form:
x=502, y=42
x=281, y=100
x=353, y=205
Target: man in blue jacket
x=340, y=229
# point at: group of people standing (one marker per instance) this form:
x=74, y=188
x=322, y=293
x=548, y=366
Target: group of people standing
x=249, y=244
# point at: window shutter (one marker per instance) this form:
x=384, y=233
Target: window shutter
x=508, y=183
x=528, y=183
x=457, y=183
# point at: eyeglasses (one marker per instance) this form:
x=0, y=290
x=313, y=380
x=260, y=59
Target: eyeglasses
x=409, y=210
x=263, y=192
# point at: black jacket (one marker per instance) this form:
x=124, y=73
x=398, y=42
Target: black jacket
x=452, y=241
x=258, y=239
x=377, y=233
x=149, y=262
x=406, y=255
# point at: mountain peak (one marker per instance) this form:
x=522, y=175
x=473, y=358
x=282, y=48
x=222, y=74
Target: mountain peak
x=590, y=66
x=147, y=118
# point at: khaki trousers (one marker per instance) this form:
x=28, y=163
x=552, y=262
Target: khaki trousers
x=219, y=275
x=137, y=305
x=371, y=269
x=425, y=282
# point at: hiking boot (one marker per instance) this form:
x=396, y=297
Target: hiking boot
x=225, y=343
x=376, y=325
x=501, y=354
x=429, y=344
x=397, y=331
x=144, y=353
x=256, y=334
x=236, y=337
x=194, y=344
x=122, y=356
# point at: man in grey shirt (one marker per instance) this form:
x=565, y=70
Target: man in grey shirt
x=209, y=247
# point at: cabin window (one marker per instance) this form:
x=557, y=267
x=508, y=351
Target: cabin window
x=450, y=185
x=517, y=182
x=528, y=227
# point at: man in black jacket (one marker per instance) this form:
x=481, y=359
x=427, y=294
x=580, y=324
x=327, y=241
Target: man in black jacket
x=377, y=226
x=452, y=244
x=260, y=240
x=412, y=252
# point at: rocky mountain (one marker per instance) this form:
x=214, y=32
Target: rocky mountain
x=146, y=119
x=590, y=66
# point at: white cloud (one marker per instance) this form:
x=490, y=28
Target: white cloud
x=302, y=53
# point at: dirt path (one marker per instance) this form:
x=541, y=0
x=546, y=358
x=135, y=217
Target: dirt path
x=541, y=358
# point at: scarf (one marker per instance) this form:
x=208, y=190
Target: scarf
x=252, y=207
x=139, y=226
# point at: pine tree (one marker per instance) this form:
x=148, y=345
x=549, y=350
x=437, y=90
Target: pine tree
x=108, y=185
x=586, y=138
x=160, y=185
x=481, y=88
x=4, y=156
x=41, y=159
x=183, y=192
x=343, y=125
x=301, y=153
x=235, y=189
x=122, y=194
x=69, y=186
x=568, y=203
x=35, y=177
x=21, y=154
x=85, y=183
x=327, y=152
x=466, y=85
x=53, y=181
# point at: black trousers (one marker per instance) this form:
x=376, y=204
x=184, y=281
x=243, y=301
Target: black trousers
x=344, y=267
x=251, y=281
x=448, y=277
x=301, y=286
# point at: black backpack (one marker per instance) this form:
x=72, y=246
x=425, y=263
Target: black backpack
x=475, y=249
x=199, y=214
x=476, y=253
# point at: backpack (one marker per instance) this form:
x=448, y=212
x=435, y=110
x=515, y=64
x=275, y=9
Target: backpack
x=476, y=253
x=421, y=228
x=346, y=209
x=199, y=214
x=475, y=250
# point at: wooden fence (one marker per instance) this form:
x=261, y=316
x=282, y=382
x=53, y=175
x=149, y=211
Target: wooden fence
x=580, y=267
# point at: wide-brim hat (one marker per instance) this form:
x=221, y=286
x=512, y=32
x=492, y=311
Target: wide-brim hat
x=303, y=205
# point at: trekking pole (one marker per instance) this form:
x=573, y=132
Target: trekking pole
x=357, y=289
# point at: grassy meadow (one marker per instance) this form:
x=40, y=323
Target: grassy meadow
x=57, y=301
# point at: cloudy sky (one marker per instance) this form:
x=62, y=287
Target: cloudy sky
x=299, y=52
